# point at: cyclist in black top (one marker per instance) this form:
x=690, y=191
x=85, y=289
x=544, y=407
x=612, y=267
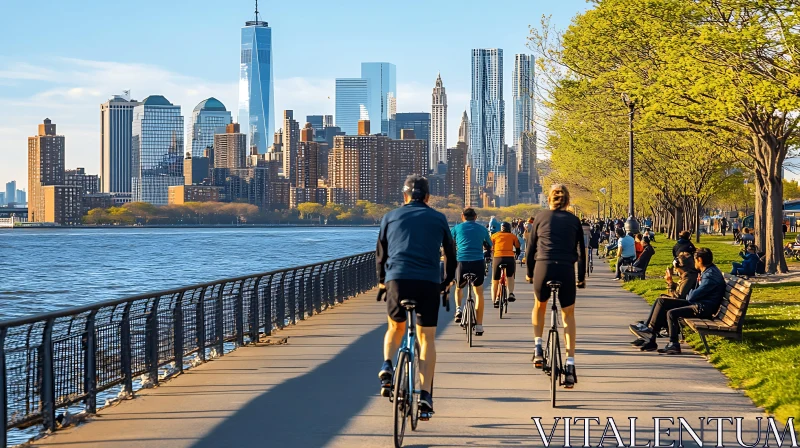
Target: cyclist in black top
x=556, y=243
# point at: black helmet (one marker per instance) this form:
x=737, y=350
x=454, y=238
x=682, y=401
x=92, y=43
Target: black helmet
x=505, y=227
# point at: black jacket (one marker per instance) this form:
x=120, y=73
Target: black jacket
x=683, y=246
x=644, y=258
x=557, y=235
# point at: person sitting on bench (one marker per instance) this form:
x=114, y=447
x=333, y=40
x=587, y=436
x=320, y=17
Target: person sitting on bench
x=702, y=302
x=684, y=244
x=640, y=265
x=683, y=266
x=626, y=252
x=749, y=263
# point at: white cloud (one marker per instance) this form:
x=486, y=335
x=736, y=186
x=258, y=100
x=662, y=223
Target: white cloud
x=70, y=91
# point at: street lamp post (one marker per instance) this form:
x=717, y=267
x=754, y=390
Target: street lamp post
x=603, y=191
x=631, y=225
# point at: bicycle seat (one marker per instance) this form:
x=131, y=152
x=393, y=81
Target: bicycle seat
x=554, y=284
x=469, y=276
x=408, y=303
x=503, y=265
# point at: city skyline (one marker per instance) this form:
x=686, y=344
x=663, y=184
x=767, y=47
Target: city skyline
x=88, y=78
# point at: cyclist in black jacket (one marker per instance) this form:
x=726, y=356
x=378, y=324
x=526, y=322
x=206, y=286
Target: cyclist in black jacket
x=556, y=243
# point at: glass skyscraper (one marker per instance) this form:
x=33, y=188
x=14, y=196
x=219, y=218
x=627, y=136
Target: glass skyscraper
x=208, y=118
x=116, y=119
x=382, y=84
x=419, y=122
x=256, y=91
x=157, y=150
x=523, y=89
x=487, y=126
x=352, y=97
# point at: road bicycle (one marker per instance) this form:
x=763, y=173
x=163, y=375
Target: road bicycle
x=407, y=384
x=503, y=285
x=468, y=319
x=552, y=365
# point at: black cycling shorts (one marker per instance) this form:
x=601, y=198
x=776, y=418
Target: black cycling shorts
x=426, y=294
x=558, y=271
x=471, y=267
x=510, y=263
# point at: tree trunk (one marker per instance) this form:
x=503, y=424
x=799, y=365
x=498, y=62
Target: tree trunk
x=760, y=210
x=775, y=260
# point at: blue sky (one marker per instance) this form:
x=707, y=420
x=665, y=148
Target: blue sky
x=62, y=59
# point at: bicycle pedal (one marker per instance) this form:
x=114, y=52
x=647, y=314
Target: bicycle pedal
x=425, y=416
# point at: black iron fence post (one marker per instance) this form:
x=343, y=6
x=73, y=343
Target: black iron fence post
x=151, y=341
x=238, y=308
x=254, y=312
x=219, y=318
x=48, y=386
x=177, y=331
x=200, y=323
x=90, y=364
x=280, y=303
x=302, y=292
x=125, y=348
x=268, y=307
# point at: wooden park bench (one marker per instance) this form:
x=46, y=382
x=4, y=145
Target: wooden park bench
x=730, y=317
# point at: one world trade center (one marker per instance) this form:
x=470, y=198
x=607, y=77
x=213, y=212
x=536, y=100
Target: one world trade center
x=256, y=93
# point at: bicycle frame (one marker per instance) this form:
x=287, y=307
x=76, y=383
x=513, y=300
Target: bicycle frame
x=409, y=346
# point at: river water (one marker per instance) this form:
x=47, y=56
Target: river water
x=47, y=269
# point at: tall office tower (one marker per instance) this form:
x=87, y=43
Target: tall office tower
x=327, y=121
x=208, y=118
x=317, y=123
x=352, y=97
x=487, y=130
x=89, y=183
x=438, y=124
x=523, y=90
x=382, y=82
x=419, y=122
x=45, y=167
x=21, y=197
x=11, y=192
x=230, y=148
x=291, y=135
x=3, y=198
x=157, y=150
x=307, y=159
x=463, y=129
x=116, y=130
x=456, y=169
x=256, y=91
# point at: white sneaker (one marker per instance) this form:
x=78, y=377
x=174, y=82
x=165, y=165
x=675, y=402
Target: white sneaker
x=478, y=330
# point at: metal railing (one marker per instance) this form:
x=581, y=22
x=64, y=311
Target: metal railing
x=63, y=359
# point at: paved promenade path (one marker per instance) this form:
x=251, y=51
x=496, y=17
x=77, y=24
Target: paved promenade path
x=321, y=388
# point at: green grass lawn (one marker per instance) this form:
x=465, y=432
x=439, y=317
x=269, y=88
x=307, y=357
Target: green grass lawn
x=766, y=365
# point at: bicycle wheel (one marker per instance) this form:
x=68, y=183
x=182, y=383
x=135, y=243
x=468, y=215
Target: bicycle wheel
x=555, y=368
x=503, y=299
x=415, y=386
x=470, y=324
x=401, y=397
